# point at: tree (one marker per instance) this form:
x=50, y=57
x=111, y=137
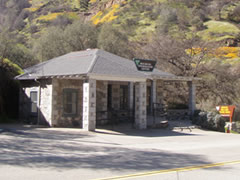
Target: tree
x=10, y=13
x=57, y=41
x=12, y=48
x=113, y=40
x=81, y=35
x=51, y=44
x=235, y=15
x=8, y=88
x=215, y=7
x=174, y=18
x=177, y=55
x=192, y=57
x=219, y=85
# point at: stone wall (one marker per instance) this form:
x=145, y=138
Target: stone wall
x=178, y=114
x=25, y=102
x=140, y=105
x=58, y=118
x=44, y=103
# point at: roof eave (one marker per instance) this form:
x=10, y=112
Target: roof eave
x=105, y=77
x=67, y=76
x=175, y=78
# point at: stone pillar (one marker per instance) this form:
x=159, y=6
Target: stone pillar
x=55, y=111
x=153, y=94
x=141, y=105
x=89, y=105
x=130, y=95
x=192, y=101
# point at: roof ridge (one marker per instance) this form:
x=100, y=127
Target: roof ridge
x=119, y=57
x=92, y=65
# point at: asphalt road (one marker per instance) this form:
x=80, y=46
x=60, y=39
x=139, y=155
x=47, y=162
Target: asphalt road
x=57, y=153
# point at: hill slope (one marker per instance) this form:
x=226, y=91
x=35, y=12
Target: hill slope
x=215, y=21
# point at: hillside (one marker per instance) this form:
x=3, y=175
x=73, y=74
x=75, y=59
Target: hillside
x=199, y=38
x=141, y=17
x=212, y=21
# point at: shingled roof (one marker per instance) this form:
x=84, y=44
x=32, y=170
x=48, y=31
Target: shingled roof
x=90, y=62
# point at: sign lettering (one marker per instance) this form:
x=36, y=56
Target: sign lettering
x=145, y=65
x=226, y=111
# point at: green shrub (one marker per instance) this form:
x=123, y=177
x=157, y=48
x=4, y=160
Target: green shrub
x=210, y=120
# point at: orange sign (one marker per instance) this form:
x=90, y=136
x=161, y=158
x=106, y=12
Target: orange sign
x=226, y=111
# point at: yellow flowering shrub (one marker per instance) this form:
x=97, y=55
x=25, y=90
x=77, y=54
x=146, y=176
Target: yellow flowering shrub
x=109, y=16
x=49, y=17
x=13, y=65
x=221, y=52
x=194, y=51
x=227, y=52
x=95, y=19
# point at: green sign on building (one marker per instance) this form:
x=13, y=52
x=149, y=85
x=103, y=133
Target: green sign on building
x=145, y=64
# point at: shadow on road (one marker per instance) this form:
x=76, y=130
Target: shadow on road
x=145, y=133
x=127, y=130
x=69, y=150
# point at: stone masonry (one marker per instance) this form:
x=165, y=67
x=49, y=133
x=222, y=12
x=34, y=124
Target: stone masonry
x=58, y=119
x=140, y=105
x=89, y=105
x=25, y=102
x=46, y=102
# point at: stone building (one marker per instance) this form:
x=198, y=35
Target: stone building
x=82, y=89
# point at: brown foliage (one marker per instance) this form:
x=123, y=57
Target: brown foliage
x=220, y=82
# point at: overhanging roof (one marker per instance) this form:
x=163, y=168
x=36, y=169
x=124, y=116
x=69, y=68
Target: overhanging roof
x=93, y=62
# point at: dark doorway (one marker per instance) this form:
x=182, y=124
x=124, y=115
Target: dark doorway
x=149, y=100
x=124, y=97
x=109, y=105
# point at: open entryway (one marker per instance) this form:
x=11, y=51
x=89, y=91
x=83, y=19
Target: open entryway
x=115, y=105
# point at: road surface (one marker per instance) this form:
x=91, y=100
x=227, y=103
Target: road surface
x=63, y=153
